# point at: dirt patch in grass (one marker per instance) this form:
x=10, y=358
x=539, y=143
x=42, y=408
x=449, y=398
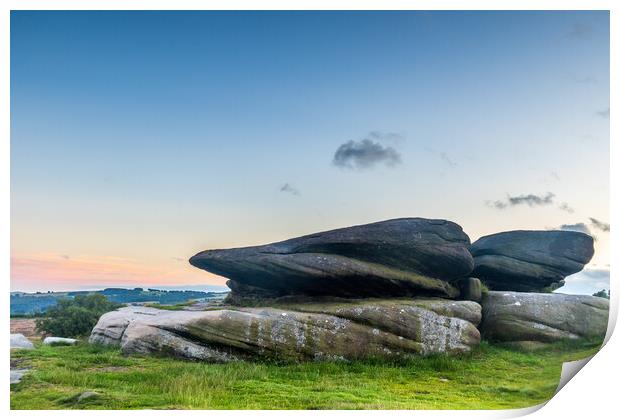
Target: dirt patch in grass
x=19, y=363
x=25, y=326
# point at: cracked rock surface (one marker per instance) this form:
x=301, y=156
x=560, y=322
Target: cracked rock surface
x=542, y=317
x=399, y=257
x=344, y=330
x=529, y=260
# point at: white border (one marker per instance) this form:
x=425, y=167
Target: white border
x=592, y=394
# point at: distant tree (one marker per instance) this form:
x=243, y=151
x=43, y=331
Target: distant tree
x=75, y=317
x=602, y=293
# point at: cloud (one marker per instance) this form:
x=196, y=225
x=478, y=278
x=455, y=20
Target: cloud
x=500, y=205
x=179, y=259
x=446, y=159
x=602, y=226
x=604, y=113
x=288, y=188
x=66, y=257
x=442, y=155
x=365, y=154
x=596, y=273
x=586, y=282
x=580, y=31
x=565, y=207
x=531, y=200
x=576, y=227
x=388, y=137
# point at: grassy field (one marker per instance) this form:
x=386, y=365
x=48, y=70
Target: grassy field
x=490, y=378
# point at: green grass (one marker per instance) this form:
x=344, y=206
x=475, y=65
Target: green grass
x=172, y=307
x=492, y=377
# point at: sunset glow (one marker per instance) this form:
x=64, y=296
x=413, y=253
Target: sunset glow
x=38, y=271
x=139, y=139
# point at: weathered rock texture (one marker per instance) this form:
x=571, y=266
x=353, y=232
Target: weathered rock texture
x=530, y=261
x=17, y=374
x=59, y=341
x=400, y=257
x=542, y=317
x=471, y=289
x=19, y=341
x=338, y=330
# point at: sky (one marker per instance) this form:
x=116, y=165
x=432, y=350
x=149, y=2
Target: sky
x=141, y=138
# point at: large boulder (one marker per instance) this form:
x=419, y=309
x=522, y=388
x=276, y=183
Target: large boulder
x=530, y=261
x=19, y=341
x=400, y=257
x=542, y=317
x=344, y=330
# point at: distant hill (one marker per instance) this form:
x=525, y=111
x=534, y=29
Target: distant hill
x=31, y=303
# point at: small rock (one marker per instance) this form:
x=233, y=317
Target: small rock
x=16, y=375
x=87, y=395
x=19, y=341
x=59, y=341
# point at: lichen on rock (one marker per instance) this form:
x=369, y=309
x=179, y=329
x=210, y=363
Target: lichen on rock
x=542, y=317
x=338, y=331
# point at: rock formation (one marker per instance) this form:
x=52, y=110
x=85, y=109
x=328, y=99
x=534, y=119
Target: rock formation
x=375, y=290
x=400, y=257
x=345, y=330
x=530, y=261
x=542, y=317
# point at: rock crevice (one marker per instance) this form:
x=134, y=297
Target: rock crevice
x=400, y=257
x=376, y=290
x=530, y=261
x=348, y=331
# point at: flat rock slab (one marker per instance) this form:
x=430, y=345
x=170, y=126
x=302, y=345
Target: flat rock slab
x=19, y=341
x=337, y=331
x=17, y=374
x=542, y=317
x=59, y=341
x=528, y=260
x=400, y=257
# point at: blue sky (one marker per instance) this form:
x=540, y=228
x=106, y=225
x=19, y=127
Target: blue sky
x=140, y=138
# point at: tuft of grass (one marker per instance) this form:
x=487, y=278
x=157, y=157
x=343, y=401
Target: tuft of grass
x=491, y=377
x=175, y=307
x=484, y=289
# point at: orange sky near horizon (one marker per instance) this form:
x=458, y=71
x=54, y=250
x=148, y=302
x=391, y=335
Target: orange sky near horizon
x=42, y=271
x=133, y=149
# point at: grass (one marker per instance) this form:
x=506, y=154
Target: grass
x=492, y=377
x=172, y=307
